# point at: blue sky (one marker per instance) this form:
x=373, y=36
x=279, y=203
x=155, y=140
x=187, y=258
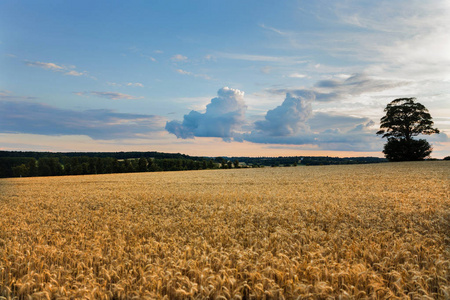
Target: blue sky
x=218, y=77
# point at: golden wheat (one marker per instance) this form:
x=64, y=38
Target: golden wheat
x=362, y=231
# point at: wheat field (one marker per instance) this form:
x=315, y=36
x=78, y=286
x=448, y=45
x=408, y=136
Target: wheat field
x=327, y=232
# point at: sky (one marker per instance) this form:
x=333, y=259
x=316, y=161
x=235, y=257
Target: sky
x=219, y=78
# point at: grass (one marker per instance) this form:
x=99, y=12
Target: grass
x=360, y=231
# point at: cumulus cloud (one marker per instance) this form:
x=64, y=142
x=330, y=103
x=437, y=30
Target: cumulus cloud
x=327, y=132
x=36, y=118
x=108, y=95
x=291, y=123
x=223, y=117
x=289, y=117
x=295, y=123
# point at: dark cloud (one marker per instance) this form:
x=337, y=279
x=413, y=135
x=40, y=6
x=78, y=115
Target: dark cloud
x=223, y=117
x=36, y=118
x=338, y=89
x=357, y=84
x=317, y=96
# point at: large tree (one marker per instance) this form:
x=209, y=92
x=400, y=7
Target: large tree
x=405, y=118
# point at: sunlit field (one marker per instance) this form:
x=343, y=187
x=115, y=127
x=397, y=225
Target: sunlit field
x=361, y=231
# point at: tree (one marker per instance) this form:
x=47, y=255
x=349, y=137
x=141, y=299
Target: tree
x=401, y=150
x=21, y=170
x=142, y=164
x=236, y=163
x=405, y=118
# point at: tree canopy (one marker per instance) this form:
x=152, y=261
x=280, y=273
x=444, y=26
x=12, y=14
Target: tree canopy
x=404, y=119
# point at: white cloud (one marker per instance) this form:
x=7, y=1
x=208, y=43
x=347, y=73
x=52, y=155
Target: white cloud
x=297, y=75
x=75, y=73
x=67, y=70
x=273, y=29
x=130, y=84
x=288, y=118
x=265, y=58
x=135, y=84
x=108, y=95
x=178, y=58
x=47, y=66
x=223, y=117
x=183, y=72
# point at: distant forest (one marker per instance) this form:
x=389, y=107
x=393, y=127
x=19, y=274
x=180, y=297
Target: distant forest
x=28, y=164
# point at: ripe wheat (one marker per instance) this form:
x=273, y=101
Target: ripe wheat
x=363, y=231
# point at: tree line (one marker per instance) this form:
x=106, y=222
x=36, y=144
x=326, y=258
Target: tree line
x=56, y=166
x=29, y=164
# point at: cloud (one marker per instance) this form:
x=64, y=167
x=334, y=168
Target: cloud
x=322, y=121
x=67, y=70
x=265, y=58
x=134, y=84
x=149, y=57
x=75, y=73
x=37, y=118
x=291, y=123
x=326, y=132
x=47, y=66
x=358, y=84
x=8, y=95
x=297, y=75
x=288, y=118
x=179, y=57
x=343, y=87
x=131, y=84
x=223, y=117
x=108, y=95
x=273, y=29
x=295, y=123
x=183, y=72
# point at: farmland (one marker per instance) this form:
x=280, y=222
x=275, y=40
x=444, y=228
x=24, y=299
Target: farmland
x=360, y=231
